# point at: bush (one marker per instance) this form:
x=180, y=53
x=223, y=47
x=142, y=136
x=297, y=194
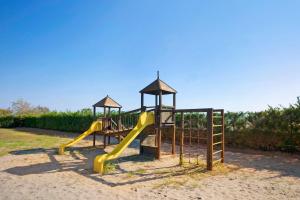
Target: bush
x=7, y=122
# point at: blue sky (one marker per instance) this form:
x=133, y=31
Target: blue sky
x=66, y=55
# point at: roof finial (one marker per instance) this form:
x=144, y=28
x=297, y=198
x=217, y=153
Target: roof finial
x=157, y=74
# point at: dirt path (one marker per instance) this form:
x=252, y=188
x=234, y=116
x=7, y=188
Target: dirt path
x=41, y=174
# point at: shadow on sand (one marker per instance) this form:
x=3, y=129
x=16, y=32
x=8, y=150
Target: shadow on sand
x=81, y=163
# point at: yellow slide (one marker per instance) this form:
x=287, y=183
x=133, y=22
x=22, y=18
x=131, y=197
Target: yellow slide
x=145, y=119
x=96, y=126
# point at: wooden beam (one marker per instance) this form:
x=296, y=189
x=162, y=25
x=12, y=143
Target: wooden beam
x=223, y=137
x=209, y=156
x=174, y=139
x=181, y=140
x=159, y=127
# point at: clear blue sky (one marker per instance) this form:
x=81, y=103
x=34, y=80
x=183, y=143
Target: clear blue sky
x=237, y=55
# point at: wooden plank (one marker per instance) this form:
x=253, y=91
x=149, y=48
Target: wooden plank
x=223, y=137
x=181, y=139
x=194, y=110
x=209, y=151
x=173, y=139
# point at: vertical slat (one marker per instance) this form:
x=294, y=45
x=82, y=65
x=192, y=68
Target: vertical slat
x=94, y=112
x=181, y=139
x=142, y=100
x=190, y=137
x=173, y=139
x=209, y=156
x=94, y=139
x=174, y=127
x=223, y=137
x=159, y=126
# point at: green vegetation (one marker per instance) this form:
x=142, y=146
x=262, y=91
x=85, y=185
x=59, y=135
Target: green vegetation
x=109, y=167
x=273, y=129
x=12, y=140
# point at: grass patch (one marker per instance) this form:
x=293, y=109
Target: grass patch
x=109, y=167
x=14, y=140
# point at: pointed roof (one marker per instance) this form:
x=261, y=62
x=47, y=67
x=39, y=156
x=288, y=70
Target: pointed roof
x=156, y=86
x=107, y=102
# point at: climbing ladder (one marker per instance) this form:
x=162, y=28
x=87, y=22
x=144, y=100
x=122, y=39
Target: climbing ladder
x=215, y=150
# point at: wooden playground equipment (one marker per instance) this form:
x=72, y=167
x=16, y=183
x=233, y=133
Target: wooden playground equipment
x=199, y=132
x=195, y=130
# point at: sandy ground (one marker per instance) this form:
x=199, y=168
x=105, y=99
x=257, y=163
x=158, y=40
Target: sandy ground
x=41, y=174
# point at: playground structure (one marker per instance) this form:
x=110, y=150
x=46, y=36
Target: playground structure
x=194, y=130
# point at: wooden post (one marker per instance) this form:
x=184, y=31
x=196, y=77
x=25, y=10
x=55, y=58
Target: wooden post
x=174, y=127
x=159, y=126
x=94, y=112
x=94, y=139
x=223, y=137
x=173, y=139
x=181, y=139
x=142, y=100
x=119, y=120
x=104, y=141
x=94, y=134
x=209, y=157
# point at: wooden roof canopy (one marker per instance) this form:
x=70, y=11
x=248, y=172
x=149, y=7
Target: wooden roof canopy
x=107, y=102
x=158, y=86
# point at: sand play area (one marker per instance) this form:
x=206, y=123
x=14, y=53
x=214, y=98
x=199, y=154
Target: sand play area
x=39, y=173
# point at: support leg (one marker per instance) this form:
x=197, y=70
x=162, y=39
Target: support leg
x=104, y=141
x=94, y=139
x=173, y=139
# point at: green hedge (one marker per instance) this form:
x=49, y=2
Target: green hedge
x=62, y=121
x=272, y=129
x=7, y=121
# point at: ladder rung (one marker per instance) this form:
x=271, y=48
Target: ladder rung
x=216, y=152
x=216, y=161
x=217, y=125
x=217, y=143
x=217, y=134
x=217, y=116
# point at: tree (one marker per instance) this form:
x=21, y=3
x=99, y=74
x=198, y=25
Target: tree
x=20, y=107
x=5, y=112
